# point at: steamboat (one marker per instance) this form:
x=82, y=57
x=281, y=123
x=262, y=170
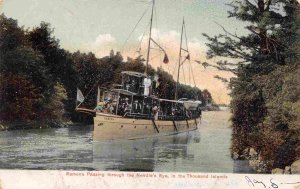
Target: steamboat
x=132, y=109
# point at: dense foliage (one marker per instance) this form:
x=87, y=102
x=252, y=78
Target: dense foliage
x=265, y=92
x=39, y=78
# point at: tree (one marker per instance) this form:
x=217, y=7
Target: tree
x=20, y=100
x=266, y=43
x=43, y=42
x=270, y=46
x=31, y=64
x=11, y=35
x=23, y=75
x=56, y=108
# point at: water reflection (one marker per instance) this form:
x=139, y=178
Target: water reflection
x=142, y=154
x=203, y=150
x=242, y=166
x=45, y=149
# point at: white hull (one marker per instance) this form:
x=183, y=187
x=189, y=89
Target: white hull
x=107, y=127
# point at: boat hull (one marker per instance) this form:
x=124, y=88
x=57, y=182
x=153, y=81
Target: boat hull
x=110, y=127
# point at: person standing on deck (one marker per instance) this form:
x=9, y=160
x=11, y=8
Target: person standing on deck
x=147, y=84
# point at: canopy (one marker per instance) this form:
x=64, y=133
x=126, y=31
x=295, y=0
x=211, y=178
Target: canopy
x=122, y=91
x=136, y=74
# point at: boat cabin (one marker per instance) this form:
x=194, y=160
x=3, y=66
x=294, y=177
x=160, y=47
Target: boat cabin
x=133, y=82
x=137, y=83
x=135, y=97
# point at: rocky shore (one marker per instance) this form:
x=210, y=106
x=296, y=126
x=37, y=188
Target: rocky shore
x=294, y=168
x=260, y=166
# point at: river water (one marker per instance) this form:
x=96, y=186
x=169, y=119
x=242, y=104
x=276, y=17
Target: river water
x=204, y=150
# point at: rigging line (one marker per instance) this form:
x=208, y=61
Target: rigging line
x=183, y=74
x=158, y=45
x=155, y=16
x=183, y=61
x=187, y=47
x=134, y=29
x=140, y=43
x=189, y=72
x=88, y=93
x=193, y=74
x=174, y=69
x=193, y=77
x=186, y=41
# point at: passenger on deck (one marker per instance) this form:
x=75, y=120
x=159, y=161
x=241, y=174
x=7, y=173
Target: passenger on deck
x=99, y=107
x=174, y=111
x=123, y=107
x=107, y=105
x=136, y=107
x=126, y=106
x=147, y=84
x=188, y=113
x=111, y=109
x=155, y=110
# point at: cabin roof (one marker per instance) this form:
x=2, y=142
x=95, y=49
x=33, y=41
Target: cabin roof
x=167, y=100
x=122, y=91
x=186, y=100
x=136, y=74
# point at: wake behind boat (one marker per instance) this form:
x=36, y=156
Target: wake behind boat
x=132, y=110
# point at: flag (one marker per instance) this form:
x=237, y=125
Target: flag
x=188, y=57
x=80, y=96
x=166, y=59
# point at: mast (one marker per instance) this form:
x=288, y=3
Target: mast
x=148, y=53
x=179, y=62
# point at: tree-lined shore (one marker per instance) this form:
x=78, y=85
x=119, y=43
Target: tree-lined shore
x=39, y=78
x=265, y=92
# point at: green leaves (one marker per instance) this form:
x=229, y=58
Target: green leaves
x=39, y=79
x=266, y=93
x=20, y=99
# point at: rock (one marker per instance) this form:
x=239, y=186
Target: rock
x=258, y=164
x=277, y=171
x=235, y=155
x=295, y=167
x=287, y=170
x=254, y=163
x=253, y=154
x=246, y=153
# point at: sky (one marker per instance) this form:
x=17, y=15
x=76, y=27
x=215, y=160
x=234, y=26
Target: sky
x=101, y=25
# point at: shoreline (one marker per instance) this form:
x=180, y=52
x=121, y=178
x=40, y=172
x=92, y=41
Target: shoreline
x=25, y=125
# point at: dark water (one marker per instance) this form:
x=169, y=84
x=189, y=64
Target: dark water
x=203, y=150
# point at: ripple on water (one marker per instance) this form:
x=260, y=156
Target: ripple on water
x=204, y=150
